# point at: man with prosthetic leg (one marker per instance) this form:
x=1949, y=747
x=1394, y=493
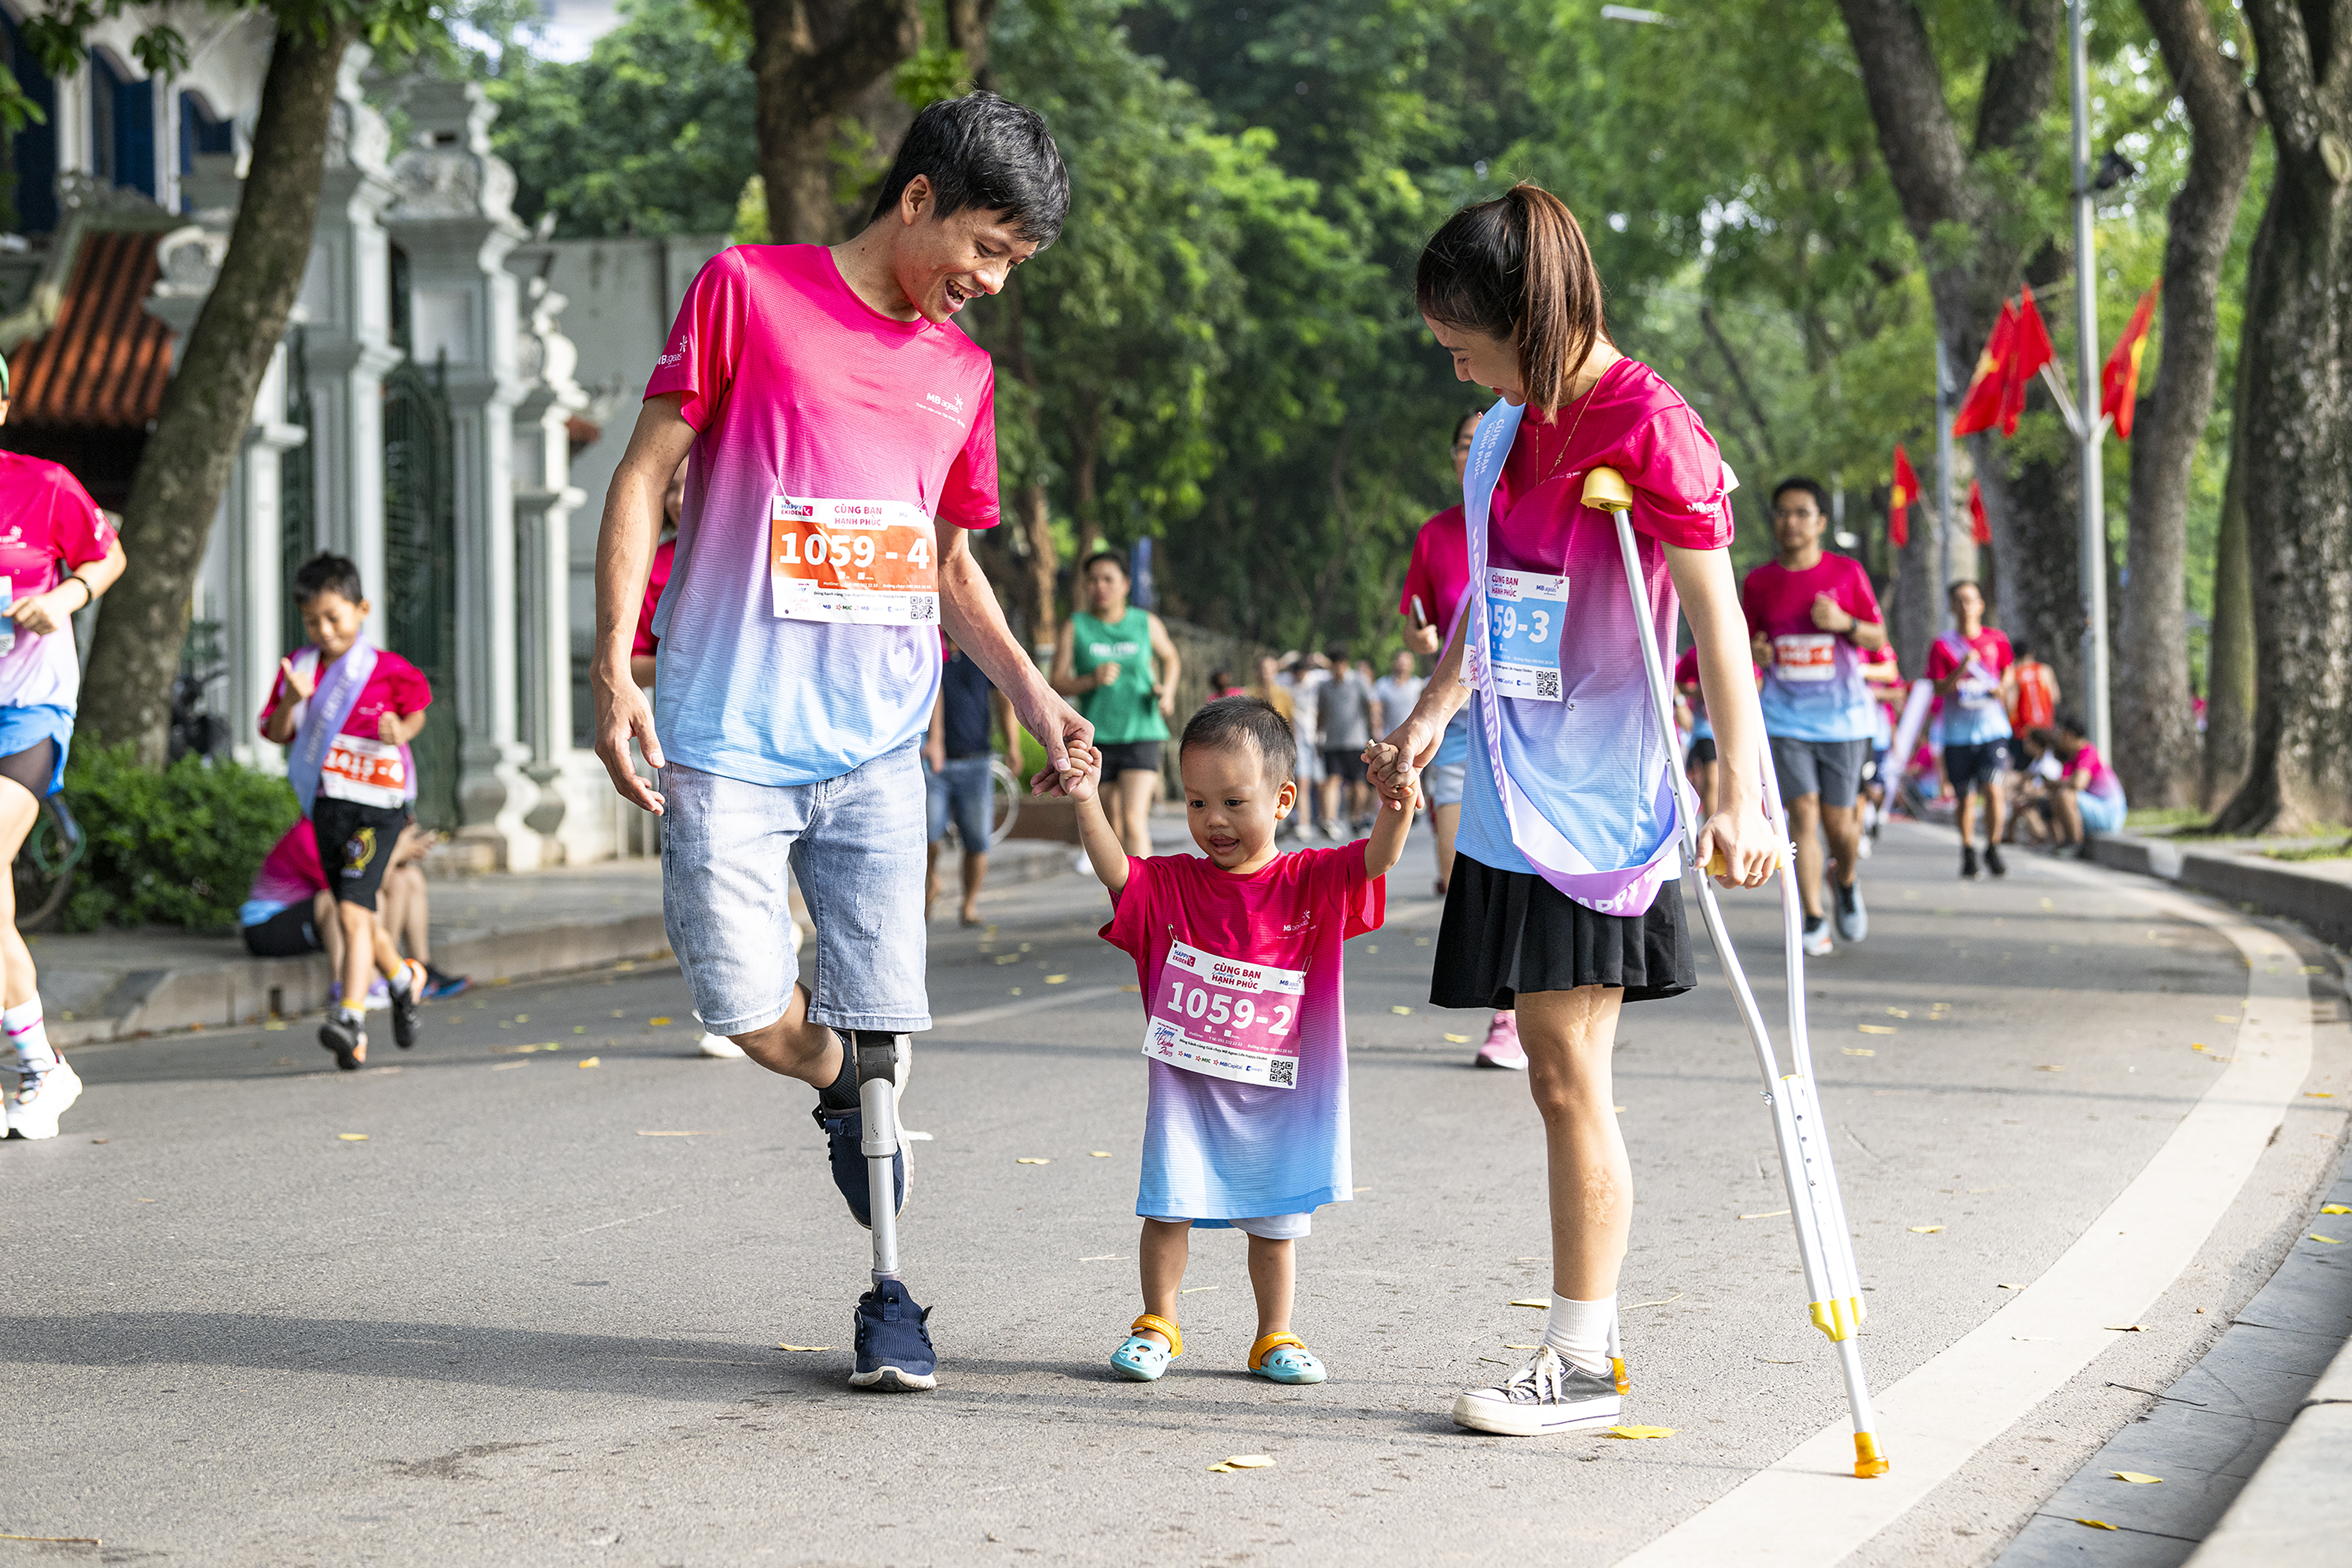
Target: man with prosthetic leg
x=843, y=436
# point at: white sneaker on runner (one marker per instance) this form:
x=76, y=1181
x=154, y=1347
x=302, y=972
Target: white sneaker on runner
x=719, y=1046
x=1817, y=938
x=40, y=1098
x=1546, y=1396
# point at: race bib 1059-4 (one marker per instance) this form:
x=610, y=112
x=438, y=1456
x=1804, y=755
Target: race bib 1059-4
x=866, y=563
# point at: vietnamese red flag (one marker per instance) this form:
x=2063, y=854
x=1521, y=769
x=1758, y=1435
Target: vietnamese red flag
x=1979, y=530
x=1901, y=498
x=2029, y=351
x=1980, y=405
x=2119, y=381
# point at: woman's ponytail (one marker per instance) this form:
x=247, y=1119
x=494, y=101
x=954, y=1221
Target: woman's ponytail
x=1518, y=267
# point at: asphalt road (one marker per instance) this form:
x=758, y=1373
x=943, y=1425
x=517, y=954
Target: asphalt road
x=517, y=1297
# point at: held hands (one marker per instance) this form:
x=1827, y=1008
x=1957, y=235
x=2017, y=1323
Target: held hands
x=1394, y=763
x=1059, y=728
x=1084, y=782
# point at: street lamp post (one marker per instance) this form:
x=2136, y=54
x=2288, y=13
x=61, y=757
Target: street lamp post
x=2090, y=429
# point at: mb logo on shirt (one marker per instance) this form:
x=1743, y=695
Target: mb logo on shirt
x=949, y=407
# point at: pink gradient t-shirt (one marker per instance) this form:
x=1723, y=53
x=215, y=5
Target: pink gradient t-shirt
x=799, y=391
x=1215, y=1150
x=46, y=517
x=1813, y=688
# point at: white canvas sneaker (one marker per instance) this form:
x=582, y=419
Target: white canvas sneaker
x=40, y=1099
x=1546, y=1396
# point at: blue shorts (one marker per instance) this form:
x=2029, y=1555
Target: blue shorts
x=22, y=728
x=961, y=791
x=2102, y=816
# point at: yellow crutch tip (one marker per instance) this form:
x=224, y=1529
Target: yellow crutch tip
x=1868, y=1462
x=1617, y=1366
x=1605, y=490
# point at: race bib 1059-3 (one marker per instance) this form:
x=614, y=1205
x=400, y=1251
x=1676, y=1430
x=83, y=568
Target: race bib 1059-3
x=1226, y=1018
x=866, y=563
x=1525, y=612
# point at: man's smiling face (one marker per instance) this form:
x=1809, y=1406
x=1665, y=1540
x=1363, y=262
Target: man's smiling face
x=940, y=265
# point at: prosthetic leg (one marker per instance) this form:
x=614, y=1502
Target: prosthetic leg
x=894, y=1343
x=1824, y=1242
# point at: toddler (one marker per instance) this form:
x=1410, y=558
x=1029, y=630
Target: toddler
x=1239, y=956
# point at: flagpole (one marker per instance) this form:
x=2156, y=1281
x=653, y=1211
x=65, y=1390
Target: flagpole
x=1942, y=607
x=2094, y=565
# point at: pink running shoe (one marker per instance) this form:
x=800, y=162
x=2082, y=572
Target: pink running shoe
x=1501, y=1048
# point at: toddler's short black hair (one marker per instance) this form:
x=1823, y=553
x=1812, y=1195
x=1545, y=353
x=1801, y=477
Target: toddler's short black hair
x=1245, y=720
x=326, y=572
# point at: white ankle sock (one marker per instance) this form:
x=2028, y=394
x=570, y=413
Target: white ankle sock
x=350, y=1015
x=30, y=1035
x=401, y=982
x=1579, y=1330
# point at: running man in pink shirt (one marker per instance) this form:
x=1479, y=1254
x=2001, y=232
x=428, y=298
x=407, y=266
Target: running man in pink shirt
x=844, y=435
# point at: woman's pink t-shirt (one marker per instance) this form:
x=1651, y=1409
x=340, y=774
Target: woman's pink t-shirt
x=46, y=517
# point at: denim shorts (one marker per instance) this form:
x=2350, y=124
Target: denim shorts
x=857, y=844
x=961, y=790
x=1444, y=782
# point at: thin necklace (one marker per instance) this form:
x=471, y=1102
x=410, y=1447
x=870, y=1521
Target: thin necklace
x=1581, y=405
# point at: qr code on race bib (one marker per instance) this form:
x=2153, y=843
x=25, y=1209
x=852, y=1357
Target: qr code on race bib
x=1548, y=683
x=1283, y=1070
x=922, y=608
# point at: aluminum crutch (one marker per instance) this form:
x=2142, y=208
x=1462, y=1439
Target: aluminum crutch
x=1824, y=1241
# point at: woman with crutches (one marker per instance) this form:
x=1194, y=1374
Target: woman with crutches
x=1564, y=901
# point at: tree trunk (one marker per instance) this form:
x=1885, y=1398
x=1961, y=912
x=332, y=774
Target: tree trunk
x=968, y=23
x=206, y=409
x=2298, y=422
x=1969, y=211
x=2230, y=649
x=1044, y=566
x=1916, y=613
x=811, y=60
x=2155, y=716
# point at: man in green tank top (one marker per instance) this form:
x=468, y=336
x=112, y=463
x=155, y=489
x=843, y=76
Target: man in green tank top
x=1120, y=668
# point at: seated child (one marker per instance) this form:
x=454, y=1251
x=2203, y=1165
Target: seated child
x=1239, y=956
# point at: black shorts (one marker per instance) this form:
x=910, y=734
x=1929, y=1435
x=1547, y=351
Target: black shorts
x=1976, y=768
x=1702, y=752
x=1130, y=756
x=289, y=934
x=1345, y=763
x=355, y=844
x=1505, y=932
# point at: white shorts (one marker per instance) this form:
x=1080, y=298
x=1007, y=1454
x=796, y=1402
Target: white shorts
x=1272, y=1228
x=1443, y=782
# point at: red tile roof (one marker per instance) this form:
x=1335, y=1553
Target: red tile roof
x=106, y=361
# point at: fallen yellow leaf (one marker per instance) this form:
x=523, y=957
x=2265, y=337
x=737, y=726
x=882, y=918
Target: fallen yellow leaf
x=1056, y=979
x=1898, y=1012
x=1099, y=1153
x=1545, y=1305
x=1639, y=1432
x=352, y=1137
x=1137, y=990
x=1876, y=1028
x=1401, y=1011
x=592, y=1061
x=1860, y=1050
x=2096, y=1524
x=656, y=1023
x=1450, y=1039
x=274, y=1024
x=1196, y=1289
x=2136, y=1479
x=2334, y=1208
x=1925, y=1229
x=802, y=1349
x=1250, y=1461
x=1032, y=1160
x=2225, y=1017
x=2331, y=1241
x=2317, y=1094
x=1221, y=1469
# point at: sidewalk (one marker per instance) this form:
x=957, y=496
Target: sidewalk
x=116, y=985
x=2317, y=893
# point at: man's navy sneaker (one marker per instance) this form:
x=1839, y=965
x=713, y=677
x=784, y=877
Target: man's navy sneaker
x=893, y=1347
x=843, y=1129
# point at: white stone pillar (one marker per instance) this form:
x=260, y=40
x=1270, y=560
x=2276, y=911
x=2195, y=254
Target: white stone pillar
x=455, y=219
x=545, y=500
x=346, y=308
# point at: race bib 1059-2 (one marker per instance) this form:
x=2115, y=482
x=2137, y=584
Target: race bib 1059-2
x=1226, y=1018
x=866, y=563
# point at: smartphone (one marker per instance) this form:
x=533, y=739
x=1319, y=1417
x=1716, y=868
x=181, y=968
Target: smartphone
x=8, y=627
x=1420, y=616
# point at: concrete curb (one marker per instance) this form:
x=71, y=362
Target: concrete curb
x=239, y=989
x=2324, y=904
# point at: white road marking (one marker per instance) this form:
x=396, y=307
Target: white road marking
x=1059, y=998
x=1810, y=1510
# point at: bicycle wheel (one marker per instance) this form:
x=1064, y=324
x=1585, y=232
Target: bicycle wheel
x=45, y=865
x=1004, y=802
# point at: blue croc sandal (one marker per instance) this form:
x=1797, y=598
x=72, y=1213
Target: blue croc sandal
x=1140, y=1360
x=1284, y=1358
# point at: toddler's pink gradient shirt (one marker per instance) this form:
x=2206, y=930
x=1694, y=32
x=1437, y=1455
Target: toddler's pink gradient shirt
x=797, y=387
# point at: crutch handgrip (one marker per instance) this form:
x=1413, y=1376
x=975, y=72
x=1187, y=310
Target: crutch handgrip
x=1718, y=866
x=1605, y=490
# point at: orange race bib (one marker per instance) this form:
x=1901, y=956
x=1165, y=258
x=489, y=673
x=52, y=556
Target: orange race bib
x=863, y=563
x=1805, y=656
x=370, y=772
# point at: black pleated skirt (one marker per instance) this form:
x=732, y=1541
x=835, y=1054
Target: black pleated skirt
x=1505, y=932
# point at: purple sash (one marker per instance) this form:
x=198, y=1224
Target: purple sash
x=331, y=703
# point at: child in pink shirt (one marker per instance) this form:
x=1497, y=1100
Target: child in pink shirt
x=1239, y=958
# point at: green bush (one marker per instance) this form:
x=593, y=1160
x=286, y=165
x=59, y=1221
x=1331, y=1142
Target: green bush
x=175, y=848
